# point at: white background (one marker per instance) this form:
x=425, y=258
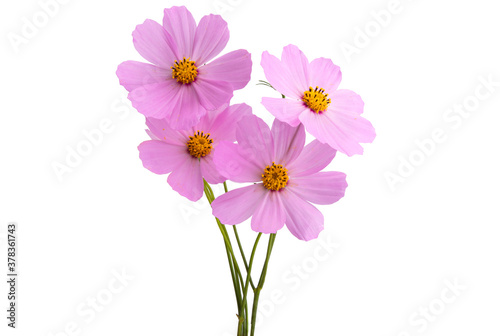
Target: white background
x=395, y=248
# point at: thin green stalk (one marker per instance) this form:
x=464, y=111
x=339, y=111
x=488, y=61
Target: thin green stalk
x=234, y=276
x=240, y=247
x=233, y=264
x=263, y=82
x=222, y=227
x=262, y=279
x=247, y=282
x=243, y=255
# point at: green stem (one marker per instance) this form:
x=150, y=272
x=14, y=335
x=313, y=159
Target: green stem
x=228, y=241
x=247, y=282
x=262, y=82
x=262, y=279
x=243, y=255
x=233, y=264
x=240, y=247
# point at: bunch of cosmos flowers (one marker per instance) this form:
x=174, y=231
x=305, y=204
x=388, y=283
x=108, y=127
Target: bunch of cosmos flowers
x=199, y=138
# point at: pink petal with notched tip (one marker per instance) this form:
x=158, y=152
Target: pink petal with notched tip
x=234, y=67
x=288, y=141
x=313, y=158
x=155, y=100
x=210, y=38
x=180, y=24
x=280, y=77
x=154, y=44
x=212, y=94
x=340, y=130
x=238, y=205
x=161, y=130
x=235, y=165
x=325, y=75
x=254, y=137
x=134, y=74
x=294, y=59
x=346, y=101
x=186, y=179
x=223, y=125
x=185, y=109
x=286, y=110
x=319, y=188
x=269, y=216
x=160, y=157
x=209, y=171
x=303, y=220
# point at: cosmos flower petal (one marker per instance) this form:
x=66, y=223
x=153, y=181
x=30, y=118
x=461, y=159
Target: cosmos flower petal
x=320, y=188
x=210, y=38
x=358, y=128
x=154, y=44
x=223, y=127
x=280, y=200
x=280, y=77
x=207, y=121
x=209, y=170
x=161, y=130
x=179, y=85
x=234, y=67
x=238, y=205
x=313, y=158
x=186, y=179
x=155, y=100
x=346, y=101
x=340, y=130
x=303, y=220
x=180, y=24
x=269, y=217
x=288, y=141
x=234, y=165
x=185, y=109
x=322, y=128
x=134, y=74
x=212, y=94
x=160, y=157
x=254, y=137
x=152, y=135
x=186, y=154
x=332, y=116
x=286, y=110
x=325, y=75
x=294, y=59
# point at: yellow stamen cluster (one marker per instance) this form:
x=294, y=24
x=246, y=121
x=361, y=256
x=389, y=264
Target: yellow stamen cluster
x=317, y=100
x=185, y=71
x=275, y=177
x=199, y=144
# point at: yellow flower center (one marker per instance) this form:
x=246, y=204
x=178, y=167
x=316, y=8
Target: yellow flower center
x=275, y=177
x=185, y=71
x=199, y=144
x=317, y=100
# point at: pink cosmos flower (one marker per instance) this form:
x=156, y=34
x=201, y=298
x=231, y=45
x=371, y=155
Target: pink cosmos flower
x=188, y=155
x=332, y=116
x=180, y=84
x=286, y=177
